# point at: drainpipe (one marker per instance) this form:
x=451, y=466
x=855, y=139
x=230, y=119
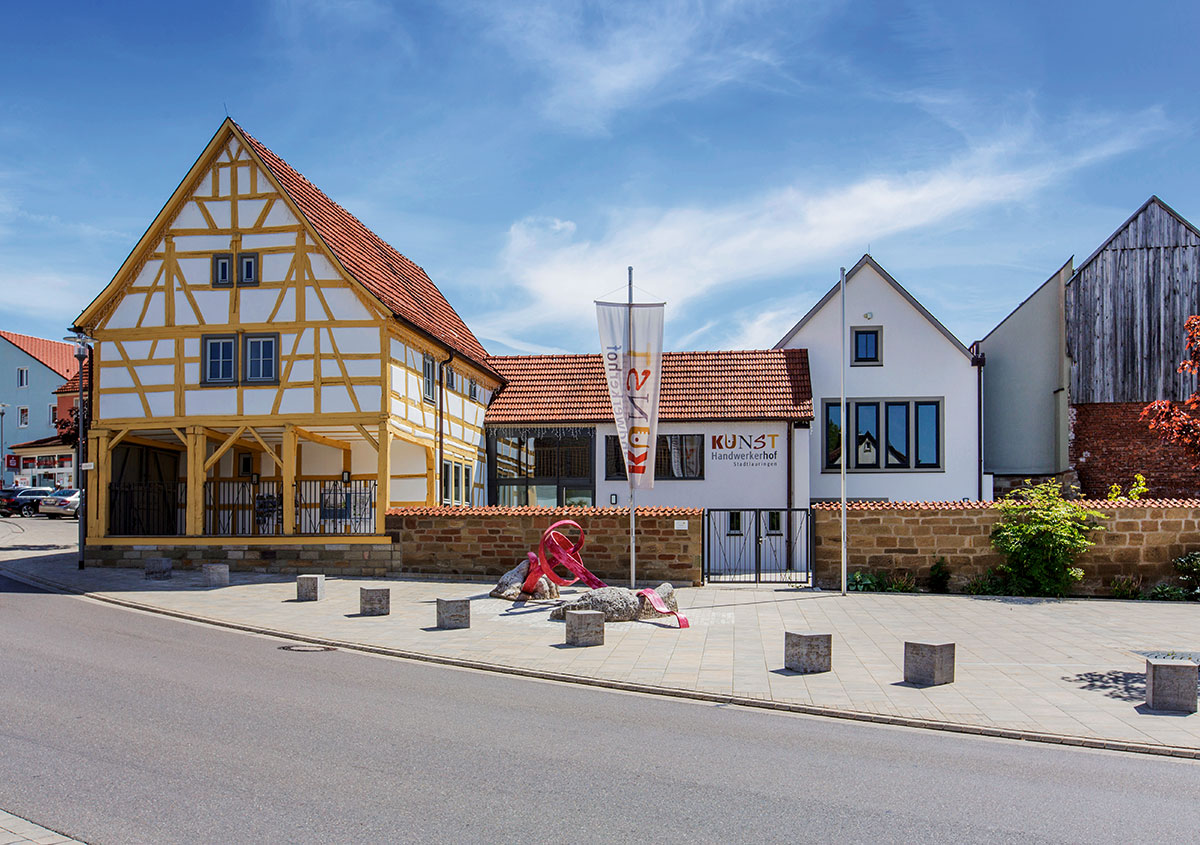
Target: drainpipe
x=440, y=426
x=790, y=434
x=978, y=359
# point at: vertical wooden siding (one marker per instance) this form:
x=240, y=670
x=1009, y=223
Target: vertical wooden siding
x=1126, y=309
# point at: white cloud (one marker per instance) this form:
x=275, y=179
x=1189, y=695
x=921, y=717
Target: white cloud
x=599, y=59
x=684, y=254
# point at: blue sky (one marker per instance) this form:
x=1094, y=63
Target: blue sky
x=735, y=153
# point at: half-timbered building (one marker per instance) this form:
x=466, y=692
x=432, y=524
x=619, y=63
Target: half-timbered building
x=267, y=367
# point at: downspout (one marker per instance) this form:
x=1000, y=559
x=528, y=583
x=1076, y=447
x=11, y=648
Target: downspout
x=440, y=421
x=790, y=434
x=978, y=359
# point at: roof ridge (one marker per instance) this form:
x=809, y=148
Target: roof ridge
x=63, y=361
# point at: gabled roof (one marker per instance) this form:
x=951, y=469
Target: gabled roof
x=42, y=443
x=756, y=384
x=393, y=280
x=1053, y=276
x=1154, y=200
x=72, y=385
x=55, y=354
x=867, y=260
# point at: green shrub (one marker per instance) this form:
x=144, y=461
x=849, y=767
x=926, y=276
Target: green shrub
x=863, y=582
x=1167, y=592
x=1188, y=567
x=899, y=582
x=1136, y=490
x=989, y=583
x=939, y=576
x=1125, y=587
x=1040, y=535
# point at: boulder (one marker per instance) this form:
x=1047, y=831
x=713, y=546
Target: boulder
x=509, y=587
x=667, y=593
x=616, y=603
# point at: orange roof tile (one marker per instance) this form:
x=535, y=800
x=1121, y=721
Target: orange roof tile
x=55, y=354
x=756, y=384
x=72, y=385
x=493, y=510
x=1092, y=504
x=399, y=284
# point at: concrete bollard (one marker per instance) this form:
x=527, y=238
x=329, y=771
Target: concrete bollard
x=585, y=627
x=454, y=613
x=807, y=652
x=928, y=664
x=310, y=587
x=158, y=568
x=216, y=574
x=374, y=601
x=1171, y=684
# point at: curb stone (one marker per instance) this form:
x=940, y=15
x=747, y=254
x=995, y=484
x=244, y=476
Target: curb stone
x=646, y=689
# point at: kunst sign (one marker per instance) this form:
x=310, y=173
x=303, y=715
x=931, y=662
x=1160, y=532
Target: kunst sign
x=633, y=371
x=746, y=450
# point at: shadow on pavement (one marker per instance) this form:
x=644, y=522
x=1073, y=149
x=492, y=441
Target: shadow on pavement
x=1123, y=686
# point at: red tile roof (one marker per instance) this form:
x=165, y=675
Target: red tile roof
x=481, y=512
x=72, y=385
x=55, y=354
x=757, y=384
x=1092, y=504
x=400, y=284
x=52, y=440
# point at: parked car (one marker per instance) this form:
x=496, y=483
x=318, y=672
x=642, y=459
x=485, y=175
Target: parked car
x=60, y=503
x=22, y=500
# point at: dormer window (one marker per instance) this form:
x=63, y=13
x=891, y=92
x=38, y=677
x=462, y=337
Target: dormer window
x=222, y=271
x=247, y=268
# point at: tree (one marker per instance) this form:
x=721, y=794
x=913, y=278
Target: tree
x=68, y=428
x=1179, y=423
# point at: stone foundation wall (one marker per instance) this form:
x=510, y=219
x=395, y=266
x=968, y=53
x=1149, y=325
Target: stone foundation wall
x=489, y=541
x=1139, y=540
x=374, y=559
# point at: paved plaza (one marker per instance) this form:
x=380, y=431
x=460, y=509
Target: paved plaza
x=1030, y=666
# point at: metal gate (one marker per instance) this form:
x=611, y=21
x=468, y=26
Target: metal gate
x=758, y=545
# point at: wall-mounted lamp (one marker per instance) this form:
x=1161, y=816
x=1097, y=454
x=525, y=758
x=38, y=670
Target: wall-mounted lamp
x=345, y=476
x=254, y=479
x=869, y=315
x=612, y=500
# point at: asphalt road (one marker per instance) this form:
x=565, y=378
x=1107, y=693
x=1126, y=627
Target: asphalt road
x=122, y=727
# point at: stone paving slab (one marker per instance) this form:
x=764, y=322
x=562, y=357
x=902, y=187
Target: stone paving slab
x=1024, y=666
x=15, y=830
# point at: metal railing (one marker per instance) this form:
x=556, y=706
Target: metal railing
x=758, y=545
x=242, y=509
x=335, y=507
x=146, y=509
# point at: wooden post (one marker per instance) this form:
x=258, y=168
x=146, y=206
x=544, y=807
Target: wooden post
x=431, y=492
x=290, y=447
x=96, y=529
x=103, y=476
x=197, y=447
x=383, y=496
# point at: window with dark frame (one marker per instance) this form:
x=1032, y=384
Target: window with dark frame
x=22, y=377
x=908, y=435
x=896, y=421
x=219, y=365
x=677, y=457
x=428, y=371
x=774, y=522
x=245, y=464
x=735, y=523
x=474, y=391
x=247, y=268
x=866, y=346
x=261, y=358
x=222, y=270
x=927, y=439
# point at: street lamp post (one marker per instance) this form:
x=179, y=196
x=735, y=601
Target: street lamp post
x=81, y=354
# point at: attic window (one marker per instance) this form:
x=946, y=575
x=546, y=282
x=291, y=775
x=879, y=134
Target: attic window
x=247, y=268
x=867, y=347
x=222, y=270
x=474, y=391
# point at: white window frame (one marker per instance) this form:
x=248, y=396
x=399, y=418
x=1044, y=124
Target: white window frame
x=428, y=377
x=22, y=377
x=54, y=413
x=23, y=416
x=247, y=341
x=205, y=342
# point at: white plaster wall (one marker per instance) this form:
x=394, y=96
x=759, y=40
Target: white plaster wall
x=257, y=401
x=727, y=482
x=319, y=459
x=119, y=405
x=1019, y=384
x=918, y=362
x=210, y=402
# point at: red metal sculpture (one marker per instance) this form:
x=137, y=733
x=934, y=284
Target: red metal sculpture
x=556, y=550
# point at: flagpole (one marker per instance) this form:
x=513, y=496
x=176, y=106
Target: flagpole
x=844, y=415
x=632, y=517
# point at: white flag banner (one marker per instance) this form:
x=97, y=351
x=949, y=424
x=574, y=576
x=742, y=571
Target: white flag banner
x=633, y=370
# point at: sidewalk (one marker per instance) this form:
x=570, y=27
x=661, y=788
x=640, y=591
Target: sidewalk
x=15, y=830
x=1051, y=670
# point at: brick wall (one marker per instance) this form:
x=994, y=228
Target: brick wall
x=490, y=541
x=1140, y=540
x=374, y=559
x=1109, y=444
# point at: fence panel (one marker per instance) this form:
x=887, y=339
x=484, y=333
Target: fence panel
x=758, y=545
x=146, y=509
